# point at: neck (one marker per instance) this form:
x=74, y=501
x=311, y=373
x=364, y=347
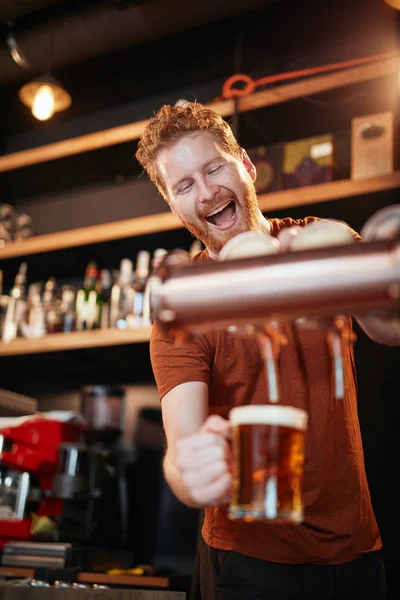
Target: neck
x=263, y=225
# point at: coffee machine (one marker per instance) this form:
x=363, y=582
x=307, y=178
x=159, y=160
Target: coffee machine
x=58, y=493
x=28, y=465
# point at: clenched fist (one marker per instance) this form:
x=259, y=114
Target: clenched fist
x=203, y=460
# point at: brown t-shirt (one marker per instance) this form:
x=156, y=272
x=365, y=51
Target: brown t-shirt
x=339, y=523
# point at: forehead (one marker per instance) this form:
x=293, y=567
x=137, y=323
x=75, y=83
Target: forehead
x=191, y=151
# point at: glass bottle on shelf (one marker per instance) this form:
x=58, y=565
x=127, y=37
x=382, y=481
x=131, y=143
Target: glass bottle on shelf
x=48, y=300
x=61, y=317
x=86, y=299
x=105, y=286
x=122, y=294
x=16, y=305
x=33, y=324
x=135, y=314
x=67, y=308
x=3, y=304
x=147, y=313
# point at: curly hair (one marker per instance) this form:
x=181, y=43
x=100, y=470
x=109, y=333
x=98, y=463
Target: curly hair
x=172, y=122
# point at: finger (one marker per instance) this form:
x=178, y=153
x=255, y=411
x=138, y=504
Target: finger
x=286, y=236
x=200, y=458
x=198, y=441
x=214, y=493
x=205, y=475
x=216, y=424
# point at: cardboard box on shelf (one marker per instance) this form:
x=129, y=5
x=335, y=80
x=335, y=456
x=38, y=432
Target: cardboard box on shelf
x=372, y=145
x=308, y=161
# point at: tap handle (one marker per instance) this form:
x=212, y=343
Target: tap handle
x=270, y=340
x=339, y=335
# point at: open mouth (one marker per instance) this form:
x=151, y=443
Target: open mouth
x=223, y=216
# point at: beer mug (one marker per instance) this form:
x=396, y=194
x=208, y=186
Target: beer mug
x=267, y=463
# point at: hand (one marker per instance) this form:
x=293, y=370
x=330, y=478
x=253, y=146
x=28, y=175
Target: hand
x=203, y=460
x=383, y=225
x=315, y=235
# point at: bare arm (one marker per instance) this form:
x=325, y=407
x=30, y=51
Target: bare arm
x=196, y=461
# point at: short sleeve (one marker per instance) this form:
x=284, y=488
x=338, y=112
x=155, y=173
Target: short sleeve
x=174, y=363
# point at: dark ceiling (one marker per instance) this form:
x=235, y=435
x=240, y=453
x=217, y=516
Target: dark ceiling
x=111, y=52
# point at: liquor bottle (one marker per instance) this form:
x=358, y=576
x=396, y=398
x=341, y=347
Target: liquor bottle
x=105, y=286
x=33, y=323
x=122, y=294
x=3, y=304
x=67, y=309
x=48, y=301
x=15, y=307
x=147, y=313
x=86, y=299
x=135, y=314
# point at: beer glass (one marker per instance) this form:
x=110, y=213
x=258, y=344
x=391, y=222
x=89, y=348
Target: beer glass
x=267, y=463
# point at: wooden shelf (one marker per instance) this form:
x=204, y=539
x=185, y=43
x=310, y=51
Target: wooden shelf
x=167, y=221
x=76, y=340
x=132, y=131
x=323, y=192
x=94, y=234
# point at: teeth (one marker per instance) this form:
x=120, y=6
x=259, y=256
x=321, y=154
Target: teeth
x=217, y=210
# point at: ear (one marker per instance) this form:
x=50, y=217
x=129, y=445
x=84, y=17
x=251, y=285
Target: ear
x=249, y=166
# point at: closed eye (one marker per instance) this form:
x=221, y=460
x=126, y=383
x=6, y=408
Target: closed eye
x=184, y=188
x=215, y=170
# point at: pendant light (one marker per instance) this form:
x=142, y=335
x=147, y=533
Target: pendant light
x=44, y=96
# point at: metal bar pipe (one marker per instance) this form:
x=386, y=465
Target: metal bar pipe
x=312, y=283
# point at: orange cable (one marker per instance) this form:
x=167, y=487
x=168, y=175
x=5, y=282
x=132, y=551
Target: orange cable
x=250, y=84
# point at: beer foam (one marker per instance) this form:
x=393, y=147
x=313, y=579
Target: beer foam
x=266, y=414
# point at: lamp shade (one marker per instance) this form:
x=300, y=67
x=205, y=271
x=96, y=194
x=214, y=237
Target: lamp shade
x=44, y=96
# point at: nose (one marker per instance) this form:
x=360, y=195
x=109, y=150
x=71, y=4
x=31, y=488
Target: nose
x=207, y=191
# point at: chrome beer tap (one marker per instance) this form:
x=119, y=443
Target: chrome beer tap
x=270, y=340
x=268, y=334
x=339, y=334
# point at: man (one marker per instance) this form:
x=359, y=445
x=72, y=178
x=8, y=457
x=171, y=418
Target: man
x=191, y=155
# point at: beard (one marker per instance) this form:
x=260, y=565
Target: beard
x=215, y=242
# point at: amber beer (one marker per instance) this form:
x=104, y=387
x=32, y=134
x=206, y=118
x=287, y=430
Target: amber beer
x=268, y=460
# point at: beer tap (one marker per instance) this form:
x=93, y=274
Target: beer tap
x=318, y=281
x=339, y=335
x=270, y=339
x=268, y=334
x=337, y=329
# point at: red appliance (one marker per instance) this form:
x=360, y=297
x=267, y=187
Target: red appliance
x=28, y=462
